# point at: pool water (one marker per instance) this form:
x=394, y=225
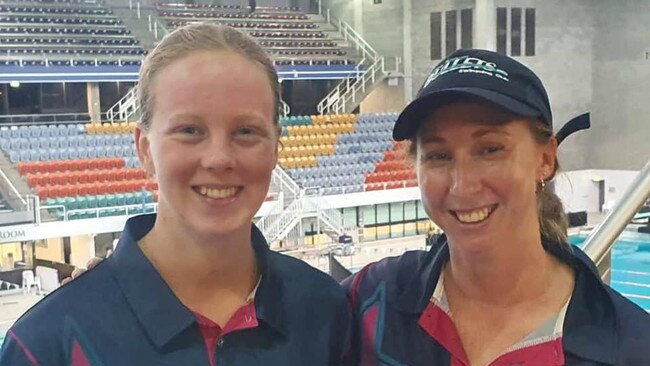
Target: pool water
x=630, y=266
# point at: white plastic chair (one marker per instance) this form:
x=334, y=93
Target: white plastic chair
x=29, y=281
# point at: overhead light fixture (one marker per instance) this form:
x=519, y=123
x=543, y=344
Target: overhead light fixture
x=14, y=84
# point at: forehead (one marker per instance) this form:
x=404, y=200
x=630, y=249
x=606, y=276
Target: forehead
x=208, y=83
x=466, y=115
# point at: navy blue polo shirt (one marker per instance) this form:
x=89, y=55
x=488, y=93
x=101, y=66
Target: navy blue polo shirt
x=123, y=313
x=398, y=319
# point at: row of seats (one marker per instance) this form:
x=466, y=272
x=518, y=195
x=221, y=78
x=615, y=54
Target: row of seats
x=69, y=41
x=72, y=153
x=390, y=176
x=391, y=185
x=69, y=62
x=307, y=140
x=59, y=21
x=72, y=51
x=83, y=189
x=364, y=137
x=300, y=162
x=377, y=117
x=21, y=143
x=240, y=15
x=268, y=34
x=327, y=171
x=68, y=2
x=295, y=121
x=306, y=130
x=110, y=128
x=104, y=200
x=346, y=159
x=386, y=166
x=385, y=127
x=332, y=181
x=248, y=25
x=42, y=167
x=87, y=176
x=162, y=5
x=363, y=147
x=299, y=151
x=51, y=130
x=46, y=29
x=394, y=155
x=310, y=62
x=53, y=10
x=302, y=44
x=307, y=52
x=333, y=118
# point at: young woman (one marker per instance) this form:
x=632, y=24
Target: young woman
x=504, y=288
x=195, y=284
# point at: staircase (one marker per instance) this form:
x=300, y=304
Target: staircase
x=349, y=93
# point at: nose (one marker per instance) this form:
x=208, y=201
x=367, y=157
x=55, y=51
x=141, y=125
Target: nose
x=219, y=154
x=465, y=179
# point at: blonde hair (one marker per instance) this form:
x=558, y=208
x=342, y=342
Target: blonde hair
x=200, y=37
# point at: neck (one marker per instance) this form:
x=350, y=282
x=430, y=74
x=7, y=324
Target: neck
x=196, y=266
x=502, y=276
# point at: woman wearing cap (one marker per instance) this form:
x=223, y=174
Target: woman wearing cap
x=195, y=284
x=505, y=288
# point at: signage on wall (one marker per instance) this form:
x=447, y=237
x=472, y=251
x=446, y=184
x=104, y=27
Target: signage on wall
x=12, y=234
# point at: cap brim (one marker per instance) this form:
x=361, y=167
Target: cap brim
x=409, y=120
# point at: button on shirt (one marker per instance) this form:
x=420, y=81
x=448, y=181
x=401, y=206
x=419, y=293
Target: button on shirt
x=123, y=313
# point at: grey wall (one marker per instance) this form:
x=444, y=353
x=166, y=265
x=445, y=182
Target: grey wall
x=620, y=138
x=564, y=56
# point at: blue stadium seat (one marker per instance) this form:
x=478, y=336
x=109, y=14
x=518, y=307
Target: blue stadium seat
x=4, y=133
x=73, y=153
x=53, y=131
x=83, y=153
x=63, y=153
x=92, y=152
x=5, y=144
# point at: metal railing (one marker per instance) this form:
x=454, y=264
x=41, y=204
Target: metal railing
x=44, y=118
x=599, y=243
x=285, y=109
x=126, y=107
x=12, y=188
x=274, y=225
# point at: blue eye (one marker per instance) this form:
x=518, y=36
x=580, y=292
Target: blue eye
x=491, y=150
x=437, y=156
x=190, y=130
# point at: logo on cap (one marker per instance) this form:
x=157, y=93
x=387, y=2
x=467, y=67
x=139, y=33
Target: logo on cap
x=467, y=64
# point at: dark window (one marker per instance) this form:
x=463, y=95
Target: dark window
x=450, y=28
x=466, y=28
x=530, y=32
x=436, y=33
x=501, y=30
x=515, y=32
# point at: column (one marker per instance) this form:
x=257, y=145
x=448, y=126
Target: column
x=94, y=107
x=485, y=24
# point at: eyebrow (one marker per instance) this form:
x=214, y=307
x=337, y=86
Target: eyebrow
x=476, y=135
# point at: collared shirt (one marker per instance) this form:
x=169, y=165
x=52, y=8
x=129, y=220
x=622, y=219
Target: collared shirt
x=123, y=313
x=396, y=324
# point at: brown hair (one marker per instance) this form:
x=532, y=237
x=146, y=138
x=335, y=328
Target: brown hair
x=553, y=222
x=200, y=37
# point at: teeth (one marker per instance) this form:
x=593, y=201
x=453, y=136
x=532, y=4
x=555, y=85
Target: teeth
x=217, y=193
x=473, y=216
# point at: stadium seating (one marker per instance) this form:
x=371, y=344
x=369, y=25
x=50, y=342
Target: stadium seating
x=64, y=33
x=289, y=35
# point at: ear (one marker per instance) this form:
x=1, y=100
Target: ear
x=548, y=160
x=143, y=149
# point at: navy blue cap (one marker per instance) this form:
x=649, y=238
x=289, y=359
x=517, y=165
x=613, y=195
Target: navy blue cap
x=483, y=74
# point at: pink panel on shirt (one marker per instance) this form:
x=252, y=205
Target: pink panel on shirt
x=244, y=318
x=78, y=356
x=369, y=335
x=440, y=326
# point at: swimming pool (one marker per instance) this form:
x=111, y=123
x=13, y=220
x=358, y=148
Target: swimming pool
x=630, y=266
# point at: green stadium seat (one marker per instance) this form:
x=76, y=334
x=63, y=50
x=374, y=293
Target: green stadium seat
x=101, y=200
x=92, y=201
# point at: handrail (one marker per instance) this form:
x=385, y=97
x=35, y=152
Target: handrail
x=13, y=188
x=123, y=108
x=285, y=110
x=325, y=104
x=602, y=238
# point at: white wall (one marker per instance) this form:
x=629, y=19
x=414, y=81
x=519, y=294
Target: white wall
x=579, y=191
